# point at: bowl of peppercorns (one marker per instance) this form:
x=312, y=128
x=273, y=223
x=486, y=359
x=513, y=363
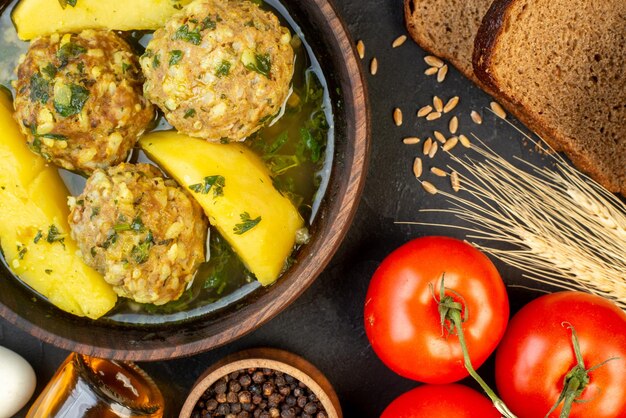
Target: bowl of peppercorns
x=262, y=383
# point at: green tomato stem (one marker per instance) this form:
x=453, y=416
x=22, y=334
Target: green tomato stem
x=576, y=380
x=454, y=316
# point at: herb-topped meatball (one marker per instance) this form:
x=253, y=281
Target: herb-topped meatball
x=219, y=69
x=79, y=99
x=145, y=234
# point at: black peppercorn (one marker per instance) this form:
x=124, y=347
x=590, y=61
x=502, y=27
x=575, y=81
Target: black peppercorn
x=258, y=393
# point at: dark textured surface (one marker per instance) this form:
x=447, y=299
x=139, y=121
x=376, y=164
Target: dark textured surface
x=325, y=324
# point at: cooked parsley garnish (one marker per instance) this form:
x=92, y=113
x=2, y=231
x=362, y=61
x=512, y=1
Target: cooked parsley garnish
x=216, y=183
x=39, y=89
x=72, y=100
x=246, y=224
x=223, y=69
x=190, y=113
x=175, y=56
x=183, y=33
x=262, y=64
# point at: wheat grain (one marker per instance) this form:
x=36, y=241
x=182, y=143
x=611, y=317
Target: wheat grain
x=465, y=141
x=424, y=111
x=450, y=143
x=433, y=61
x=438, y=172
x=433, y=150
x=454, y=181
x=397, y=116
x=398, y=41
x=360, y=49
x=476, y=117
x=453, y=125
x=498, y=110
x=429, y=187
x=439, y=137
x=417, y=167
x=411, y=140
x=431, y=71
x=441, y=74
x=433, y=116
x=427, y=146
x=451, y=104
x=438, y=104
x=374, y=66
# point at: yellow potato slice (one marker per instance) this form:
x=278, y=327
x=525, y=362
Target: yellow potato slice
x=258, y=222
x=34, y=232
x=35, y=18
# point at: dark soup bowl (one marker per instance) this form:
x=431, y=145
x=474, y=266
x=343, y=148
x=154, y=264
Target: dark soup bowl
x=328, y=49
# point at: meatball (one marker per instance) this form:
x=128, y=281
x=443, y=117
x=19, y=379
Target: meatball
x=219, y=69
x=145, y=234
x=79, y=99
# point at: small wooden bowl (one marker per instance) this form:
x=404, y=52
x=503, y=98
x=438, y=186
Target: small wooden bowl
x=268, y=358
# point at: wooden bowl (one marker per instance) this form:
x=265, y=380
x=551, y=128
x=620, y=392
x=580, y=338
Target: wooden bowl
x=331, y=44
x=268, y=358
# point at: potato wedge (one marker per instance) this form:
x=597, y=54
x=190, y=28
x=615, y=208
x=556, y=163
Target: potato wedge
x=258, y=222
x=34, y=232
x=34, y=18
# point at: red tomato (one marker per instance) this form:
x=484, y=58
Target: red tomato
x=537, y=352
x=435, y=401
x=402, y=319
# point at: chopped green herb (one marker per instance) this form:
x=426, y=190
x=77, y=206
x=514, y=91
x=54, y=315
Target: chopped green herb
x=311, y=144
x=246, y=224
x=95, y=211
x=81, y=67
x=175, y=56
x=21, y=251
x=65, y=3
x=262, y=64
x=136, y=225
x=38, y=236
x=125, y=67
x=48, y=271
x=74, y=105
x=56, y=137
x=39, y=89
x=156, y=61
x=184, y=34
x=224, y=140
x=111, y=239
x=93, y=251
x=216, y=183
x=207, y=23
x=54, y=235
x=49, y=70
x=279, y=163
x=177, y=6
x=190, y=113
x=278, y=143
x=223, y=69
x=249, y=24
x=141, y=252
x=68, y=51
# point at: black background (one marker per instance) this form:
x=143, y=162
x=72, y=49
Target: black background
x=325, y=324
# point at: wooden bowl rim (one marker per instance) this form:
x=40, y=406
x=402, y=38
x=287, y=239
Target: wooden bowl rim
x=260, y=310
x=270, y=358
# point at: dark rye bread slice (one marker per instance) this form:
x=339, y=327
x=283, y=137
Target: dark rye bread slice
x=560, y=67
x=447, y=28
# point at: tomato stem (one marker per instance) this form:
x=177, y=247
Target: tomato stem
x=451, y=312
x=576, y=380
